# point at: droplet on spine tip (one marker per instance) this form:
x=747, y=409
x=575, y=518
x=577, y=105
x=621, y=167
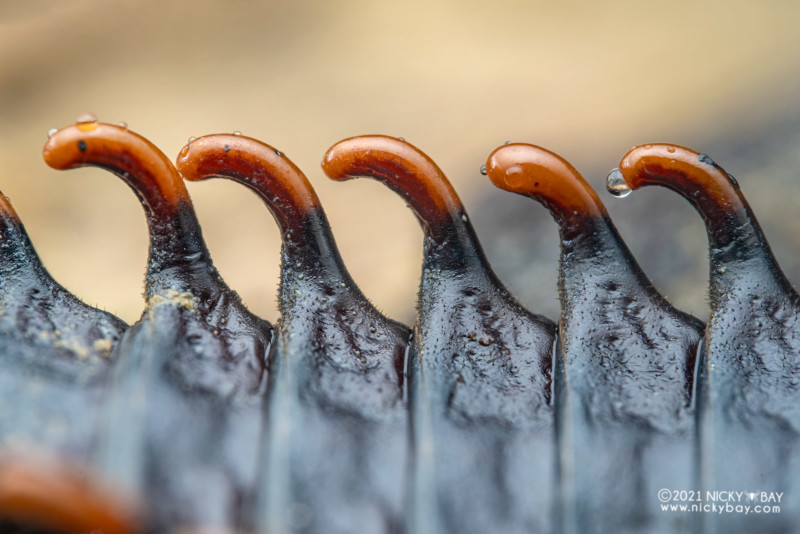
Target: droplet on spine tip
x=51, y=132
x=616, y=184
x=483, y=170
x=85, y=118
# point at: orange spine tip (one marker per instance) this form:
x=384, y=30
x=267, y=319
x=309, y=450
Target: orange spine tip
x=130, y=156
x=696, y=177
x=278, y=181
x=547, y=178
x=403, y=168
x=681, y=169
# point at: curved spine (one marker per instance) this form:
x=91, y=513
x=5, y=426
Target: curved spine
x=628, y=358
x=195, y=360
x=178, y=257
x=480, y=368
x=338, y=365
x=748, y=385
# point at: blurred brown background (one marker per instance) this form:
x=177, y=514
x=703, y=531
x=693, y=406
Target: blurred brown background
x=456, y=78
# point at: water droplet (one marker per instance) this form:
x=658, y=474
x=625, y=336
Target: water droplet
x=237, y=132
x=616, y=185
x=86, y=118
x=401, y=138
x=464, y=218
x=51, y=132
x=300, y=276
x=733, y=180
x=191, y=139
x=705, y=159
x=226, y=148
x=278, y=153
x=123, y=125
x=515, y=176
x=483, y=170
x=671, y=149
x=486, y=341
x=86, y=122
x=506, y=142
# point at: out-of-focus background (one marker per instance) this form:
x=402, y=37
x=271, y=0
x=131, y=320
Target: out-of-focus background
x=456, y=78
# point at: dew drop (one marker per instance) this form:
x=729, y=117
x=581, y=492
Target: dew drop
x=226, y=148
x=671, y=149
x=51, y=132
x=123, y=125
x=506, y=142
x=86, y=118
x=278, y=153
x=464, y=218
x=237, y=132
x=483, y=170
x=191, y=139
x=401, y=138
x=515, y=176
x=616, y=184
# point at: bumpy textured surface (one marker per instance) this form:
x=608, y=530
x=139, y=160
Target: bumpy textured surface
x=334, y=453
x=625, y=368
x=184, y=406
x=479, y=369
x=482, y=418
x=54, y=352
x=749, y=419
